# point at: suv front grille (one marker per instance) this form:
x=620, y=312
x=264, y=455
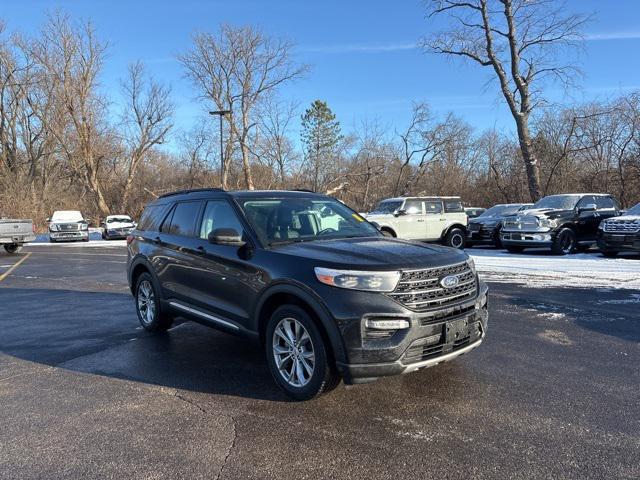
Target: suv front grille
x=622, y=226
x=421, y=289
x=69, y=227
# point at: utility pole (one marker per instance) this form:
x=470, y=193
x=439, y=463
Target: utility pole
x=221, y=113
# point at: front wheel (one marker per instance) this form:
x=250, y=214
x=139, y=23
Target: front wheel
x=150, y=313
x=564, y=243
x=455, y=238
x=297, y=355
x=12, y=248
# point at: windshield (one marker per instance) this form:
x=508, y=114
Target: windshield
x=557, y=202
x=635, y=210
x=501, y=210
x=286, y=220
x=67, y=216
x=118, y=219
x=388, y=206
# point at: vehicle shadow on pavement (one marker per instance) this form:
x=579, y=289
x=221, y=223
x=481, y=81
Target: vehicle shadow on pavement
x=99, y=333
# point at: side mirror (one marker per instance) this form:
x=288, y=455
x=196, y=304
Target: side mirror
x=226, y=236
x=590, y=207
x=400, y=212
x=49, y=220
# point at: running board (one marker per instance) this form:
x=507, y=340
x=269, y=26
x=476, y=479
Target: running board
x=206, y=316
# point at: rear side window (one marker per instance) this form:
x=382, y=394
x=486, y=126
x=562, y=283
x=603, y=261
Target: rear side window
x=219, y=214
x=452, y=205
x=151, y=218
x=605, y=203
x=433, y=206
x=183, y=221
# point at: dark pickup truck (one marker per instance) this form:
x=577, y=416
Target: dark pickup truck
x=561, y=223
x=620, y=234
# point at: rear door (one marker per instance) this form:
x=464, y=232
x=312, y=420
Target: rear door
x=433, y=209
x=179, y=250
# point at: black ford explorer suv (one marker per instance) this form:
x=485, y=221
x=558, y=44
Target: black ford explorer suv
x=322, y=289
x=563, y=223
x=620, y=234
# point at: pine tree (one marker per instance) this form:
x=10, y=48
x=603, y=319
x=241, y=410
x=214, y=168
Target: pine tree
x=321, y=137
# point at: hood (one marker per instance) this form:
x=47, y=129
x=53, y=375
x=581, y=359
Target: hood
x=542, y=212
x=120, y=225
x=373, y=216
x=373, y=253
x=67, y=217
x=625, y=218
x=493, y=219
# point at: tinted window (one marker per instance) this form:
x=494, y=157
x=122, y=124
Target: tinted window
x=453, y=205
x=184, y=218
x=413, y=206
x=433, y=206
x=388, y=206
x=634, y=210
x=151, y=218
x=219, y=214
x=605, y=203
x=586, y=200
x=166, y=222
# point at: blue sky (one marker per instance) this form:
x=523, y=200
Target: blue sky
x=364, y=63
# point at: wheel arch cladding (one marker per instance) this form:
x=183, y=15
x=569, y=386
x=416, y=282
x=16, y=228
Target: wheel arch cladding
x=289, y=295
x=446, y=231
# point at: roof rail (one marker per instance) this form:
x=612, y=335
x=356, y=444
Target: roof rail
x=192, y=190
x=303, y=190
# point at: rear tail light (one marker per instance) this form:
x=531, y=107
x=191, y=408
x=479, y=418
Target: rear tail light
x=129, y=239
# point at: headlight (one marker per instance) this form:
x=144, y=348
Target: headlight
x=601, y=225
x=356, y=280
x=547, y=222
x=53, y=227
x=84, y=226
x=472, y=265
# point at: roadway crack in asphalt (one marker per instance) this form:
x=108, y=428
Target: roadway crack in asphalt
x=234, y=429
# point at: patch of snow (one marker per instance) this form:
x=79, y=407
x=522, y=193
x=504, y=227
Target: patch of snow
x=545, y=270
x=556, y=337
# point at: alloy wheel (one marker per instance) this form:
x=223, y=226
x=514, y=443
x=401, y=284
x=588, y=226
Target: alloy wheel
x=566, y=243
x=456, y=240
x=146, y=302
x=293, y=352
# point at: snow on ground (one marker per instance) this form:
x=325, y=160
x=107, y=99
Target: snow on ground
x=95, y=240
x=540, y=269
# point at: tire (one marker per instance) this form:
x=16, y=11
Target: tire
x=315, y=372
x=455, y=238
x=52, y=240
x=12, y=248
x=387, y=233
x=564, y=242
x=515, y=249
x=148, y=307
x=610, y=253
x=496, y=239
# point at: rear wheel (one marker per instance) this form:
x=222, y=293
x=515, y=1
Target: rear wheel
x=297, y=355
x=564, y=243
x=455, y=238
x=12, y=248
x=515, y=249
x=148, y=307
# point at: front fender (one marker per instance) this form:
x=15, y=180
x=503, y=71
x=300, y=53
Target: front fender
x=314, y=302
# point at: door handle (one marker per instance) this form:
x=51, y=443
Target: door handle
x=157, y=240
x=420, y=220
x=200, y=250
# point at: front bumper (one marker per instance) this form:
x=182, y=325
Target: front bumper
x=434, y=337
x=117, y=234
x=482, y=235
x=619, y=241
x=70, y=236
x=526, y=239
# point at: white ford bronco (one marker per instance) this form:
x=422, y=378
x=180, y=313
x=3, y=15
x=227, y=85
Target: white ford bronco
x=430, y=219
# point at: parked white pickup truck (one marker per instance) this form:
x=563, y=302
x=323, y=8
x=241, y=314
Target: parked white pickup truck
x=15, y=233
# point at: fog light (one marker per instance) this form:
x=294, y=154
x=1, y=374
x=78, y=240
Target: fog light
x=380, y=324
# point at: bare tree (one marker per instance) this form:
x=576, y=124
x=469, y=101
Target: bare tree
x=234, y=70
x=71, y=58
x=519, y=40
x=147, y=120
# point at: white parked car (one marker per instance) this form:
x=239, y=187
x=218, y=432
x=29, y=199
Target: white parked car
x=68, y=225
x=429, y=219
x=117, y=226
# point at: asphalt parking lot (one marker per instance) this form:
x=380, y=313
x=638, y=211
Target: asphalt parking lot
x=554, y=392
